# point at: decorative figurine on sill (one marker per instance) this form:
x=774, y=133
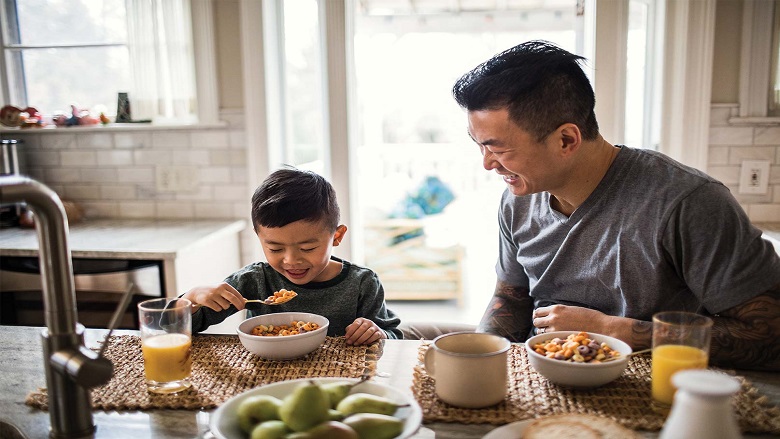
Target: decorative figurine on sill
x=29, y=117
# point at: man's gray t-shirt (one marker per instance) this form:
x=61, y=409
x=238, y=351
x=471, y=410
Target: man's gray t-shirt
x=355, y=292
x=654, y=235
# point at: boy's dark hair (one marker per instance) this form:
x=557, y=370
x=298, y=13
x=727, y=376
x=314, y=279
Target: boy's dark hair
x=290, y=195
x=542, y=86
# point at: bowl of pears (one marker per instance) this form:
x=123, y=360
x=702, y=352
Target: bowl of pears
x=318, y=408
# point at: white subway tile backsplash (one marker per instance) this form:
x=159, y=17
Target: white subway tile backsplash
x=133, y=140
x=191, y=157
x=766, y=213
x=725, y=174
x=215, y=174
x=100, y=209
x=81, y=192
x=137, y=209
x=42, y=158
x=154, y=157
x=95, y=140
x=62, y=175
x=118, y=192
x=174, y=139
x=99, y=175
x=218, y=139
x=767, y=135
x=739, y=154
x=59, y=141
x=214, y=210
x=731, y=135
x=114, y=158
x=175, y=209
x=718, y=155
x=136, y=175
x=78, y=158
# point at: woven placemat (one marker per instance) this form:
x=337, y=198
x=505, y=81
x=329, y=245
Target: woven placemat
x=626, y=400
x=221, y=369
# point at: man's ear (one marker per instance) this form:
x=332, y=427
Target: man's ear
x=341, y=230
x=570, y=137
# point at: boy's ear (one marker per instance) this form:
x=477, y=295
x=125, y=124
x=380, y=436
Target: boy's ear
x=341, y=230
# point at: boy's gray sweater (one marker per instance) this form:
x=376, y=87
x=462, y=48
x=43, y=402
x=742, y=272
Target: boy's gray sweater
x=355, y=292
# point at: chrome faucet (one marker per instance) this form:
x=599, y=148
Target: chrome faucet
x=71, y=368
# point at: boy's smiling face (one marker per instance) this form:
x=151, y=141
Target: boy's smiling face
x=301, y=250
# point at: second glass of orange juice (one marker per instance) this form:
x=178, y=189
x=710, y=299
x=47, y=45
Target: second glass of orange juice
x=166, y=342
x=681, y=340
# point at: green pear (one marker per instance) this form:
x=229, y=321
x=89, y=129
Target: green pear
x=256, y=409
x=335, y=415
x=375, y=425
x=305, y=407
x=367, y=403
x=338, y=390
x=274, y=429
x=327, y=430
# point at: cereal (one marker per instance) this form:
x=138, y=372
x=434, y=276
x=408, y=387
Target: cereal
x=281, y=296
x=577, y=348
x=294, y=328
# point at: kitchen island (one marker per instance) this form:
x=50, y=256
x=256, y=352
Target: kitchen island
x=22, y=366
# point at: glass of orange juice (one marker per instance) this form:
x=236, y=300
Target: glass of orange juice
x=166, y=342
x=681, y=340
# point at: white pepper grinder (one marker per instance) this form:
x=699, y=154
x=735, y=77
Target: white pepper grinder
x=702, y=406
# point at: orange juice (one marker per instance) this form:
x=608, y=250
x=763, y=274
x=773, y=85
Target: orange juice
x=167, y=357
x=668, y=359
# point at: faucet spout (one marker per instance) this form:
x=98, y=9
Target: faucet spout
x=69, y=404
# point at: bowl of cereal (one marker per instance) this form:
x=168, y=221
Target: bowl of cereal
x=576, y=358
x=283, y=335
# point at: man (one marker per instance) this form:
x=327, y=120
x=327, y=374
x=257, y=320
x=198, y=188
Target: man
x=597, y=237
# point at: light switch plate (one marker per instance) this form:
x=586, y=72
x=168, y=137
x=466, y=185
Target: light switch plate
x=754, y=177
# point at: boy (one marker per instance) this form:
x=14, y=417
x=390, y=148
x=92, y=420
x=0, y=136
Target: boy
x=296, y=218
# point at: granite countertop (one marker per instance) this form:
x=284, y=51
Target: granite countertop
x=122, y=238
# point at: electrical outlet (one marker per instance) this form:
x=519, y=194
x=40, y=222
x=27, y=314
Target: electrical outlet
x=172, y=178
x=754, y=177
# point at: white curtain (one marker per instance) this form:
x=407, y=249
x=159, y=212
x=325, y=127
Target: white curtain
x=161, y=56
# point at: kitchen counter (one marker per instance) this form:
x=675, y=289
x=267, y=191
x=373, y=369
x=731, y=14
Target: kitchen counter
x=22, y=366
x=192, y=252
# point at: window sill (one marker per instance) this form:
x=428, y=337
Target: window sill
x=754, y=120
x=114, y=127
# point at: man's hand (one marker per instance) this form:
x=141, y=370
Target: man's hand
x=637, y=333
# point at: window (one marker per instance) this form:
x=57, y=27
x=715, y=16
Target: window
x=402, y=60
x=143, y=48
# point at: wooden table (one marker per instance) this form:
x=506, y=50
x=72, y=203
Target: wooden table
x=22, y=366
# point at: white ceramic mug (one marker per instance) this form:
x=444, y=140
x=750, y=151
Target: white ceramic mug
x=470, y=368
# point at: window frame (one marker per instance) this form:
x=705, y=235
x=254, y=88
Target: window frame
x=204, y=52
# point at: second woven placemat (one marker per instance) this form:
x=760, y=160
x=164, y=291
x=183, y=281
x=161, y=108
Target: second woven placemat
x=626, y=400
x=221, y=369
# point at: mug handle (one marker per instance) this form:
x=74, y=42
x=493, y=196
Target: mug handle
x=429, y=353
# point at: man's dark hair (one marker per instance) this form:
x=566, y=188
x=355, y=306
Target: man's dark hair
x=290, y=195
x=542, y=86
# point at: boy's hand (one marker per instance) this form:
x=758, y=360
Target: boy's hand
x=363, y=331
x=217, y=297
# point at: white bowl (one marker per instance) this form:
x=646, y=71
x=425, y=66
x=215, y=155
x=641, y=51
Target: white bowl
x=282, y=347
x=581, y=375
x=224, y=421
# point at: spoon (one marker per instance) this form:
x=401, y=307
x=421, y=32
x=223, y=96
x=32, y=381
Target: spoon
x=643, y=351
x=280, y=297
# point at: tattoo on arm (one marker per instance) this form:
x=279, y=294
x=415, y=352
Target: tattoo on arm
x=746, y=335
x=509, y=313
x=641, y=334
